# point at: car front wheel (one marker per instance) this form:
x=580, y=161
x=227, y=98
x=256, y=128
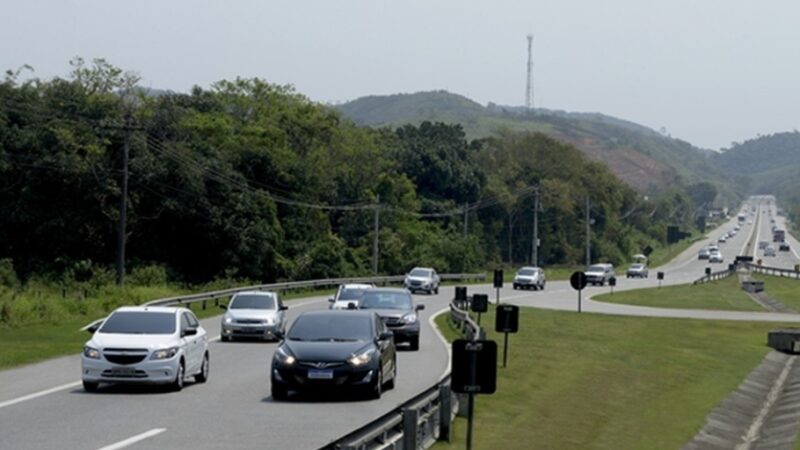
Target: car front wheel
x=202, y=377
x=177, y=385
x=90, y=386
x=279, y=393
x=415, y=343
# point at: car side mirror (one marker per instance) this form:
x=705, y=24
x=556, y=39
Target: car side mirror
x=385, y=335
x=189, y=332
x=352, y=305
x=223, y=306
x=278, y=334
x=283, y=308
x=419, y=307
x=93, y=328
x=331, y=300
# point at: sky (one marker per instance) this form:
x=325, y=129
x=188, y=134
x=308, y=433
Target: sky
x=711, y=72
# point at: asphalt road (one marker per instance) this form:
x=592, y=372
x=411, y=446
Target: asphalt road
x=42, y=406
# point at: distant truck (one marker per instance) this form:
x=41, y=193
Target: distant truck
x=778, y=235
x=741, y=217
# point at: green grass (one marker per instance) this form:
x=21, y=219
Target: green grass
x=42, y=341
x=784, y=289
x=725, y=294
x=585, y=381
x=665, y=254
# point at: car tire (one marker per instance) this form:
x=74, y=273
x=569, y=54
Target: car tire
x=90, y=386
x=436, y=291
x=202, y=376
x=177, y=384
x=542, y=287
x=376, y=389
x=224, y=338
x=390, y=384
x=279, y=393
x=514, y=287
x=414, y=343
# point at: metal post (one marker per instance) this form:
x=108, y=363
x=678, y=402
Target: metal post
x=579, y=300
x=505, y=349
x=445, y=412
x=535, y=244
x=466, y=220
x=375, y=238
x=497, y=300
x=470, y=411
x=588, y=234
x=123, y=210
x=410, y=428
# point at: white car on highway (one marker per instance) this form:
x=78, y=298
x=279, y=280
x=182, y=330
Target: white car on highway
x=146, y=344
x=253, y=314
x=715, y=257
x=348, y=294
x=422, y=279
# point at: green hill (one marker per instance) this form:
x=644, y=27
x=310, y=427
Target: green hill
x=642, y=157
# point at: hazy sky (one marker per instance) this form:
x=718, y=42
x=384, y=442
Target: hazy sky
x=709, y=71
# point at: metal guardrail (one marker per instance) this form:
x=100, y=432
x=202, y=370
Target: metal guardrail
x=421, y=421
x=775, y=271
x=714, y=276
x=205, y=296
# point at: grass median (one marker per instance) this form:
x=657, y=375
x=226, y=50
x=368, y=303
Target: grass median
x=724, y=294
x=584, y=381
x=786, y=290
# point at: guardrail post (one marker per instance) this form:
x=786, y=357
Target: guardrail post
x=445, y=411
x=204, y=305
x=216, y=301
x=410, y=429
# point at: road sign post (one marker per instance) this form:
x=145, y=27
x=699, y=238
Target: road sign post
x=479, y=304
x=474, y=371
x=506, y=321
x=660, y=276
x=578, y=281
x=498, y=283
x=611, y=283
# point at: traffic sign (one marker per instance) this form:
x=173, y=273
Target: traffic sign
x=480, y=303
x=474, y=367
x=578, y=281
x=498, y=278
x=506, y=319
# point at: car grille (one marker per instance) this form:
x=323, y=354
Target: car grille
x=125, y=356
x=250, y=321
x=322, y=365
x=393, y=321
x=135, y=374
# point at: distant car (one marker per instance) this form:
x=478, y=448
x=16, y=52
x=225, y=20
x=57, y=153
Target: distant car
x=253, y=314
x=347, y=295
x=637, y=270
x=762, y=245
x=422, y=279
x=769, y=251
x=146, y=345
x=335, y=350
x=599, y=273
x=529, y=278
x=715, y=257
x=784, y=247
x=396, y=308
x=703, y=253
x=722, y=239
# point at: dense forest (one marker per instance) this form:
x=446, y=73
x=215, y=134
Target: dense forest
x=253, y=180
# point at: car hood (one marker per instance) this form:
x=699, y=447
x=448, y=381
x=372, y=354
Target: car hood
x=261, y=314
x=148, y=341
x=391, y=313
x=323, y=351
x=594, y=273
x=421, y=279
x=525, y=277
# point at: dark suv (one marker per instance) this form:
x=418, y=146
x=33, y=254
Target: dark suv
x=397, y=310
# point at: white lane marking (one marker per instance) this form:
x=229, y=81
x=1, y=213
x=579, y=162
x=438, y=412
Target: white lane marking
x=25, y=398
x=134, y=439
x=432, y=323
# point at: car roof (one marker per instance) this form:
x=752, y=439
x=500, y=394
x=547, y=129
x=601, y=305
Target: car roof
x=270, y=293
x=421, y=268
x=338, y=312
x=357, y=286
x=153, y=309
x=390, y=290
x=529, y=268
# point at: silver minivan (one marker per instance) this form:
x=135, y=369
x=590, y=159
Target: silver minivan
x=529, y=278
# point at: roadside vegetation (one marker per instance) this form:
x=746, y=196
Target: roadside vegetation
x=724, y=294
x=584, y=381
x=786, y=290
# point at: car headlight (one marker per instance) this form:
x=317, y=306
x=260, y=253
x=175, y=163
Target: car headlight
x=269, y=321
x=165, y=353
x=361, y=358
x=284, y=357
x=90, y=352
x=228, y=319
x=410, y=318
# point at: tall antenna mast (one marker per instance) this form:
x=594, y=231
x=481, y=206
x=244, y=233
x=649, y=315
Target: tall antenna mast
x=529, y=85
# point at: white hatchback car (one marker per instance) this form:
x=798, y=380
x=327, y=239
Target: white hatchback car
x=146, y=344
x=253, y=314
x=348, y=294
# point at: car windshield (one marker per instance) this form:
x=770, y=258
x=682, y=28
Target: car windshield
x=420, y=273
x=253, y=302
x=527, y=272
x=385, y=300
x=637, y=266
x=596, y=269
x=338, y=327
x=139, y=322
x=351, y=294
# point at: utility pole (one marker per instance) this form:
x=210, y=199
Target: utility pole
x=123, y=207
x=375, y=237
x=588, y=233
x=466, y=211
x=535, y=244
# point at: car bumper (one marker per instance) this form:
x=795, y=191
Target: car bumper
x=404, y=333
x=251, y=331
x=145, y=372
x=297, y=377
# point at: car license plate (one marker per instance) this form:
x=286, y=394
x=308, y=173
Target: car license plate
x=123, y=371
x=320, y=374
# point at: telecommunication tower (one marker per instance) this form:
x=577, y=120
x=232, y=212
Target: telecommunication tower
x=529, y=85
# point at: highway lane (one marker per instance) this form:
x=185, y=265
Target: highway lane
x=234, y=409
